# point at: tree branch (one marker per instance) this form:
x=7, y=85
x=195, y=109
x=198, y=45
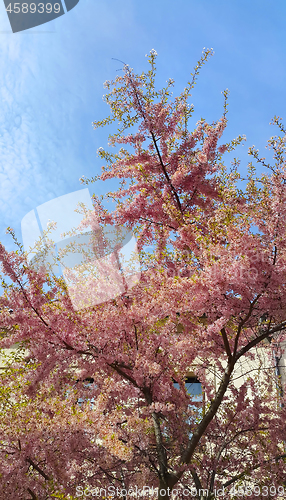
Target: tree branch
x=34, y=497
x=199, y=431
x=38, y=469
x=257, y=340
x=161, y=450
x=165, y=172
x=226, y=344
x=247, y=471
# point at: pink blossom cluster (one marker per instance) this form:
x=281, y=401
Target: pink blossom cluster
x=91, y=398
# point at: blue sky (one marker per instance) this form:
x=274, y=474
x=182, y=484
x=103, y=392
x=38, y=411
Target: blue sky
x=51, y=84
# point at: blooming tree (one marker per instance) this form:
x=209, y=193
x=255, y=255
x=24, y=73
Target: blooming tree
x=91, y=401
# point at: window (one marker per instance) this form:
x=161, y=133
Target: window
x=194, y=388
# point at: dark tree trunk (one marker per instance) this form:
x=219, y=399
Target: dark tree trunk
x=164, y=492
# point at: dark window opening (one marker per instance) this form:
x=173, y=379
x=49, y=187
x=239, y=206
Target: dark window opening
x=193, y=387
